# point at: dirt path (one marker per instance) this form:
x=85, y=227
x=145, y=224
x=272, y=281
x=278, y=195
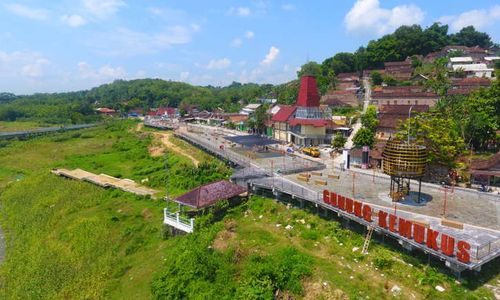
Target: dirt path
x=165, y=139
x=139, y=126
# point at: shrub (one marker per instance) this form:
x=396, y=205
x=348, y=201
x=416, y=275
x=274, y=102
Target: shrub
x=383, y=261
x=310, y=235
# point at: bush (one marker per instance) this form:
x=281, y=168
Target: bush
x=283, y=270
x=383, y=261
x=310, y=235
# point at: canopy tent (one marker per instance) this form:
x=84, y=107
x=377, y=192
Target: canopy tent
x=251, y=140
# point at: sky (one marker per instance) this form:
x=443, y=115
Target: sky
x=68, y=45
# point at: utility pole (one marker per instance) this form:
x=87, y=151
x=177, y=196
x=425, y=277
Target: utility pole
x=167, y=178
x=409, y=123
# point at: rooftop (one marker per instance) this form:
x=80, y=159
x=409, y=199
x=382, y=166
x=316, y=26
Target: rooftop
x=251, y=140
x=209, y=194
x=461, y=59
x=284, y=113
x=472, y=67
x=308, y=93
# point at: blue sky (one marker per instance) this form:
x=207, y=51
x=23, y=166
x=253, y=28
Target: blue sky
x=53, y=46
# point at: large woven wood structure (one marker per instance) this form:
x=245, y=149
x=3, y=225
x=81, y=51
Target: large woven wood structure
x=404, y=161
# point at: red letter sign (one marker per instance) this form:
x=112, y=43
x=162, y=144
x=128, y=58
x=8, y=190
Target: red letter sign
x=432, y=239
x=326, y=196
x=382, y=219
x=418, y=233
x=404, y=228
x=463, y=252
x=447, y=244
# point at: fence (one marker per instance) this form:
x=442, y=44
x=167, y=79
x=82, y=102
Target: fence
x=177, y=221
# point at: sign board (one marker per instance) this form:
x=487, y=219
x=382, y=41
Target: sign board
x=422, y=235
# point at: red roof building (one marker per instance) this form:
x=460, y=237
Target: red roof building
x=404, y=95
x=285, y=112
x=466, y=86
x=390, y=116
x=341, y=98
x=209, y=194
x=106, y=111
x=304, y=123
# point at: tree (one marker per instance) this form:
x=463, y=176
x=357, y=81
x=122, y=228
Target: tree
x=438, y=133
x=311, y=69
x=389, y=80
x=360, y=59
x=260, y=117
x=438, y=77
x=364, y=137
x=342, y=62
x=369, y=118
x=338, y=141
x=376, y=78
x=435, y=38
x=468, y=36
x=476, y=117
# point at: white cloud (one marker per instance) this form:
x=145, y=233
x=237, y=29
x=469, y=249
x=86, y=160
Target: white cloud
x=367, y=17
x=102, y=8
x=126, y=42
x=27, y=64
x=140, y=74
x=271, y=56
x=217, y=64
x=479, y=18
x=34, y=69
x=237, y=42
x=73, y=20
x=173, y=15
x=288, y=7
x=240, y=11
x=105, y=72
x=249, y=34
x=184, y=76
x=27, y=12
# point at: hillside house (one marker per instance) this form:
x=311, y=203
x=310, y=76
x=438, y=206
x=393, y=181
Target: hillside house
x=391, y=116
x=341, y=98
x=404, y=95
x=474, y=70
x=486, y=171
x=106, y=111
x=347, y=81
x=399, y=70
x=466, y=86
x=250, y=109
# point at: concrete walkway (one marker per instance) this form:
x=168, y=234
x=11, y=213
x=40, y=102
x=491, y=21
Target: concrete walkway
x=366, y=102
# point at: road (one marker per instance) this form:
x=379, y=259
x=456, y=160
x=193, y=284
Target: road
x=366, y=102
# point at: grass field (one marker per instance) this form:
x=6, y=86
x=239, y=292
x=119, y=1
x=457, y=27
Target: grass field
x=18, y=126
x=69, y=239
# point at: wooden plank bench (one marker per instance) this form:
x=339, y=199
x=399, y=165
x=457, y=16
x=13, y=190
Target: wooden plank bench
x=320, y=182
x=305, y=179
x=452, y=224
x=333, y=176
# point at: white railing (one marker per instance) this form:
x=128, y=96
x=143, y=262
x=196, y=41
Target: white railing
x=177, y=221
